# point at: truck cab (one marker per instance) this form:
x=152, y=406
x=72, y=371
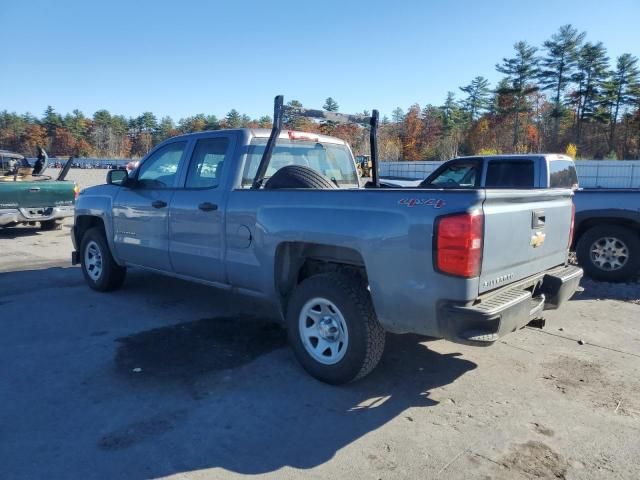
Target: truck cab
x=505, y=171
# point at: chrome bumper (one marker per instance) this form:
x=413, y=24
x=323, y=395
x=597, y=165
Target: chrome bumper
x=10, y=216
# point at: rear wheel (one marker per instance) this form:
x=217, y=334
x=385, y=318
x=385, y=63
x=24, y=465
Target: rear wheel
x=99, y=268
x=51, y=225
x=333, y=329
x=609, y=252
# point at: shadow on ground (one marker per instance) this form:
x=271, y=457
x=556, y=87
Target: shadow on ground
x=27, y=231
x=270, y=414
x=595, y=290
x=224, y=391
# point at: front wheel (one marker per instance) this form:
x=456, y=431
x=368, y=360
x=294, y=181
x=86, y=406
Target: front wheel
x=333, y=329
x=99, y=268
x=609, y=252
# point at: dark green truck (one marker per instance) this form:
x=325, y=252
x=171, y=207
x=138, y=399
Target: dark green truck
x=31, y=199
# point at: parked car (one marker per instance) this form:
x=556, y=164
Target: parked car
x=607, y=239
x=281, y=217
x=29, y=199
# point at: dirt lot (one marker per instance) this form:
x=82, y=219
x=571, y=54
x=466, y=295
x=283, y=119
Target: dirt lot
x=168, y=379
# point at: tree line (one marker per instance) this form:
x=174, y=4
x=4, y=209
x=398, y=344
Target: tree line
x=565, y=96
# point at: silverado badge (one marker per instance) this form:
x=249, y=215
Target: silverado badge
x=538, y=239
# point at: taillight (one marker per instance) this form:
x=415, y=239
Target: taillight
x=76, y=191
x=573, y=222
x=458, y=248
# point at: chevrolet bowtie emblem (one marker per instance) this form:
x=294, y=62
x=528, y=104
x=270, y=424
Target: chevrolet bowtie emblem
x=538, y=239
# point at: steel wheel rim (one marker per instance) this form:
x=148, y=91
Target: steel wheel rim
x=93, y=260
x=323, y=331
x=609, y=253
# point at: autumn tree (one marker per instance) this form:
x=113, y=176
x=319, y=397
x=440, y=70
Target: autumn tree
x=33, y=136
x=412, y=134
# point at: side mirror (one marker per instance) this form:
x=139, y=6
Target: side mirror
x=117, y=177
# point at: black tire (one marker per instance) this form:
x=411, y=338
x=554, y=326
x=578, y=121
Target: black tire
x=111, y=275
x=366, y=337
x=626, y=236
x=48, y=225
x=298, y=176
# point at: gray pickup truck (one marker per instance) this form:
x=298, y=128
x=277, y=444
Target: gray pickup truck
x=607, y=240
x=281, y=215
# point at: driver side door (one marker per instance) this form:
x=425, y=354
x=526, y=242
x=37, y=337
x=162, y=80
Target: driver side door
x=141, y=212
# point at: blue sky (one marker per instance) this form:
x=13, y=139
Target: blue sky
x=183, y=58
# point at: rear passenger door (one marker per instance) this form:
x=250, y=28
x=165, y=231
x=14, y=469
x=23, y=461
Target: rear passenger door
x=196, y=225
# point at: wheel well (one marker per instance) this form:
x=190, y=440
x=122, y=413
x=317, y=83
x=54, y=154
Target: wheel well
x=595, y=222
x=84, y=223
x=296, y=261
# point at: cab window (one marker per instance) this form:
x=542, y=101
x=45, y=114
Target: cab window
x=509, y=174
x=206, y=164
x=455, y=175
x=160, y=169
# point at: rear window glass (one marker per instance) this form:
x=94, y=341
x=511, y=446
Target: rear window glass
x=454, y=175
x=334, y=161
x=562, y=174
x=509, y=174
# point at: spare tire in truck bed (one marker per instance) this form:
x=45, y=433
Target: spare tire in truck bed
x=298, y=176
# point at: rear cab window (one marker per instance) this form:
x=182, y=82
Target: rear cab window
x=562, y=174
x=505, y=173
x=332, y=160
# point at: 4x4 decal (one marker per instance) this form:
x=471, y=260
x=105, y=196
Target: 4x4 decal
x=419, y=202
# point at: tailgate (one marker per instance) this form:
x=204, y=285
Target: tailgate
x=525, y=232
x=46, y=193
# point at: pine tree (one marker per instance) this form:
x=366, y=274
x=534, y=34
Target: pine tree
x=619, y=91
x=212, y=123
x=478, y=97
x=397, y=116
x=557, y=68
x=521, y=70
x=590, y=75
x=330, y=105
x=51, y=120
x=166, y=128
x=233, y=119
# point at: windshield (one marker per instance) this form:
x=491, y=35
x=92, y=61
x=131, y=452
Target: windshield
x=331, y=160
x=454, y=175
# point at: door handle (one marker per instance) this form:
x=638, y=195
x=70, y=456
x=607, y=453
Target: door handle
x=34, y=189
x=538, y=219
x=208, y=206
x=159, y=204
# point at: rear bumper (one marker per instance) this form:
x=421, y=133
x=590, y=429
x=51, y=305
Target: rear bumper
x=10, y=216
x=509, y=308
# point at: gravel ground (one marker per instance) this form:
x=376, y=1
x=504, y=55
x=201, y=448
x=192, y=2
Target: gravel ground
x=83, y=177
x=169, y=379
